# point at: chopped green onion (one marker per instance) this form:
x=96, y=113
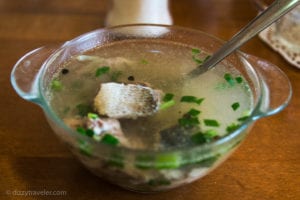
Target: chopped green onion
x=102, y=70
x=167, y=161
x=232, y=127
x=198, y=138
x=239, y=79
x=206, y=58
x=93, y=116
x=109, y=139
x=207, y=136
x=228, y=77
x=197, y=60
x=167, y=101
x=235, y=106
x=168, y=97
x=196, y=51
x=81, y=130
x=193, y=112
x=191, y=99
x=241, y=119
x=167, y=104
x=188, y=122
x=56, y=85
x=211, y=122
x=115, y=75
x=87, y=132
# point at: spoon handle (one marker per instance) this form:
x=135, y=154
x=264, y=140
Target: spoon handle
x=259, y=23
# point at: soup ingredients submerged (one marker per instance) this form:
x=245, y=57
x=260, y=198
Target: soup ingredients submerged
x=184, y=112
x=216, y=100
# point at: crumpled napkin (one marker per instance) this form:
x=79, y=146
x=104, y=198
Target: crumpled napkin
x=290, y=54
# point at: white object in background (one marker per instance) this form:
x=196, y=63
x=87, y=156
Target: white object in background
x=139, y=11
x=284, y=36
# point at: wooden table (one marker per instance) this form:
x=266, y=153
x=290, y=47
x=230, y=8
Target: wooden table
x=266, y=166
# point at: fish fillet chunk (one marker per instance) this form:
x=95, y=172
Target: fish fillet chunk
x=119, y=100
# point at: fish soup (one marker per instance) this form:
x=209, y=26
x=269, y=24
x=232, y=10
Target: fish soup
x=182, y=111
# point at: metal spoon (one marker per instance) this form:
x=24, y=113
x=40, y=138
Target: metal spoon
x=259, y=23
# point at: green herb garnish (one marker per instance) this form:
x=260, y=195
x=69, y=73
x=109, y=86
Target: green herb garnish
x=206, y=58
x=196, y=51
x=193, y=112
x=109, y=139
x=232, y=127
x=56, y=85
x=241, y=119
x=190, y=118
x=102, y=70
x=167, y=101
x=228, y=77
x=235, y=106
x=92, y=116
x=167, y=161
x=211, y=122
x=87, y=132
x=191, y=99
x=197, y=60
x=81, y=130
x=168, y=97
x=207, y=136
x=167, y=104
x=188, y=121
x=239, y=79
x=198, y=138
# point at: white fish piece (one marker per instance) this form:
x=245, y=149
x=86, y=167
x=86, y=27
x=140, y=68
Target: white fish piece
x=119, y=100
x=102, y=126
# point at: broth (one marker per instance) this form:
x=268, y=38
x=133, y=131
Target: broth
x=226, y=98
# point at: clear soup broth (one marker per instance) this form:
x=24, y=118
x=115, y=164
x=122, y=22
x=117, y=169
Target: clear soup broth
x=191, y=111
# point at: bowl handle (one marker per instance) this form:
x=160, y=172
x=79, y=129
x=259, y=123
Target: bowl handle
x=25, y=73
x=277, y=89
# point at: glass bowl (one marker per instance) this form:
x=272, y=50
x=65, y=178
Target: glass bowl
x=149, y=170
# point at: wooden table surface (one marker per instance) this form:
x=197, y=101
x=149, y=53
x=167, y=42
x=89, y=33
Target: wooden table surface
x=265, y=167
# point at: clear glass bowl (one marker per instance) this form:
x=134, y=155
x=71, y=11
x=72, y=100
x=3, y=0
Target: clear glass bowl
x=139, y=170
